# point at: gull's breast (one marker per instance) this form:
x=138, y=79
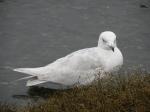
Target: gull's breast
x=114, y=61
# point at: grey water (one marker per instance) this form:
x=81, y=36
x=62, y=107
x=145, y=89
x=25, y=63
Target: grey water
x=36, y=32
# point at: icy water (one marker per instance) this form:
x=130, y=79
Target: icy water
x=36, y=32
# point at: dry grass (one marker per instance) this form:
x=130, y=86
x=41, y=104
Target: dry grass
x=129, y=92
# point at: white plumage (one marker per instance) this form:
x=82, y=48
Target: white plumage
x=79, y=67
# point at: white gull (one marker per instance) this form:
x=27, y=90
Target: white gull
x=79, y=67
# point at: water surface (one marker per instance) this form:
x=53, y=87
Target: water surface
x=36, y=32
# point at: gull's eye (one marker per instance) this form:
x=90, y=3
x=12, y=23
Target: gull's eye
x=104, y=40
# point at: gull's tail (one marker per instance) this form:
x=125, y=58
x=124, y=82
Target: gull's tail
x=30, y=71
x=32, y=79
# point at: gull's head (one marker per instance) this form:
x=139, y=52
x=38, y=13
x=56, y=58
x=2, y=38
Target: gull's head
x=107, y=40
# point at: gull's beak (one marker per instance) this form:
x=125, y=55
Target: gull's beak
x=112, y=47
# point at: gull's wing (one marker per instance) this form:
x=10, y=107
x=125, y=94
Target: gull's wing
x=68, y=69
x=83, y=59
x=65, y=70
